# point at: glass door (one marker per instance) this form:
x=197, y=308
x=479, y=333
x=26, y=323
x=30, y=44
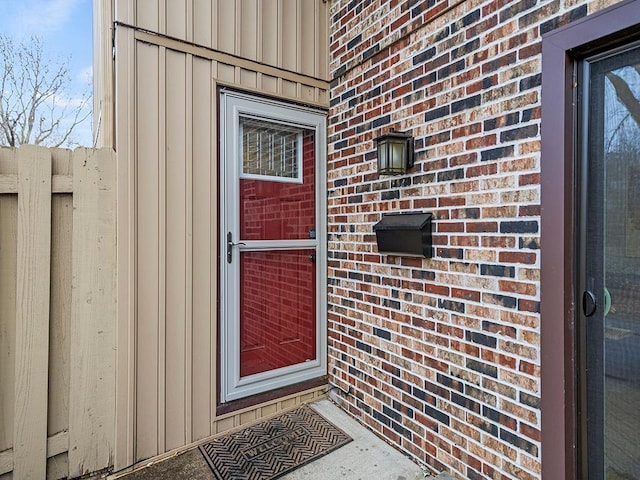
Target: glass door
x=272, y=321
x=610, y=255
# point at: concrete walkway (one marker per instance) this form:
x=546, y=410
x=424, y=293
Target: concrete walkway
x=366, y=458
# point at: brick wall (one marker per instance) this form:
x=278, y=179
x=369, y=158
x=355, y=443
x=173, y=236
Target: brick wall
x=441, y=356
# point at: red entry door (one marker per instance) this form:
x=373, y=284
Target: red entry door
x=273, y=330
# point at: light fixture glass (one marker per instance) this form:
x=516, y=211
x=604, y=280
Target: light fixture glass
x=395, y=153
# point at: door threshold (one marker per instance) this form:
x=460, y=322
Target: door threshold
x=229, y=407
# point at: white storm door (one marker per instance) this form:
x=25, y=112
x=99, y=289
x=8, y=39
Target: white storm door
x=273, y=319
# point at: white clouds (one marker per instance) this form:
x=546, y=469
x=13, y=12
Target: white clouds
x=64, y=101
x=40, y=17
x=63, y=26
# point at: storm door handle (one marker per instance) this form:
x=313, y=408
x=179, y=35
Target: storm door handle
x=230, y=246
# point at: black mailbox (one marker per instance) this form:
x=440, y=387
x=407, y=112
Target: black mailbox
x=405, y=234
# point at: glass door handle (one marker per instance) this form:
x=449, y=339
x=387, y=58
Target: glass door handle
x=589, y=303
x=607, y=301
x=230, y=246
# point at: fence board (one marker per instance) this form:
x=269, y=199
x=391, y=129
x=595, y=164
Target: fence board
x=91, y=414
x=57, y=444
x=6, y=462
x=32, y=313
x=57, y=311
x=60, y=313
x=8, y=252
x=59, y=184
x=8, y=183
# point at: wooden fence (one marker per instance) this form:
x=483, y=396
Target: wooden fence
x=57, y=312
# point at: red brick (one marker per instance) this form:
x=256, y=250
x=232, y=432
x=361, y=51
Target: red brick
x=517, y=257
x=429, y=305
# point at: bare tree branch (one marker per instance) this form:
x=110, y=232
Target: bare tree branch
x=625, y=95
x=34, y=105
x=615, y=131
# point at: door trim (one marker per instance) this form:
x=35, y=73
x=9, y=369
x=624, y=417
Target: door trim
x=560, y=49
x=232, y=105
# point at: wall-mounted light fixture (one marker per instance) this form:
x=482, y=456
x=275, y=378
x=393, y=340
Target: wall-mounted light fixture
x=395, y=153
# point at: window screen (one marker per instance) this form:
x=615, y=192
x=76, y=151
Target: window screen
x=270, y=149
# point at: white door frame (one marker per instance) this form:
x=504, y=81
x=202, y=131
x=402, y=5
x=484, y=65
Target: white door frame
x=233, y=105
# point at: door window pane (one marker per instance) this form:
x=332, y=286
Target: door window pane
x=613, y=266
x=277, y=309
x=622, y=270
x=272, y=210
x=270, y=149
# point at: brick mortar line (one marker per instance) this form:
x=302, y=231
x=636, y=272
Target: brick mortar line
x=499, y=397
x=519, y=419
x=431, y=20
x=355, y=63
x=484, y=105
x=497, y=348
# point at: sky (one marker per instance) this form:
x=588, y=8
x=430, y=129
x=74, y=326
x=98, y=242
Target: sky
x=65, y=27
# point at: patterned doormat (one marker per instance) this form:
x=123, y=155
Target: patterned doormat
x=274, y=447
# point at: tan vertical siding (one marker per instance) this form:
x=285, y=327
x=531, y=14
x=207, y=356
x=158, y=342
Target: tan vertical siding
x=322, y=47
x=285, y=34
x=203, y=250
x=226, y=27
x=147, y=287
x=309, y=47
x=147, y=15
x=202, y=12
x=177, y=270
x=167, y=144
x=250, y=30
x=178, y=13
x=289, y=31
x=103, y=98
x=174, y=310
x=269, y=40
